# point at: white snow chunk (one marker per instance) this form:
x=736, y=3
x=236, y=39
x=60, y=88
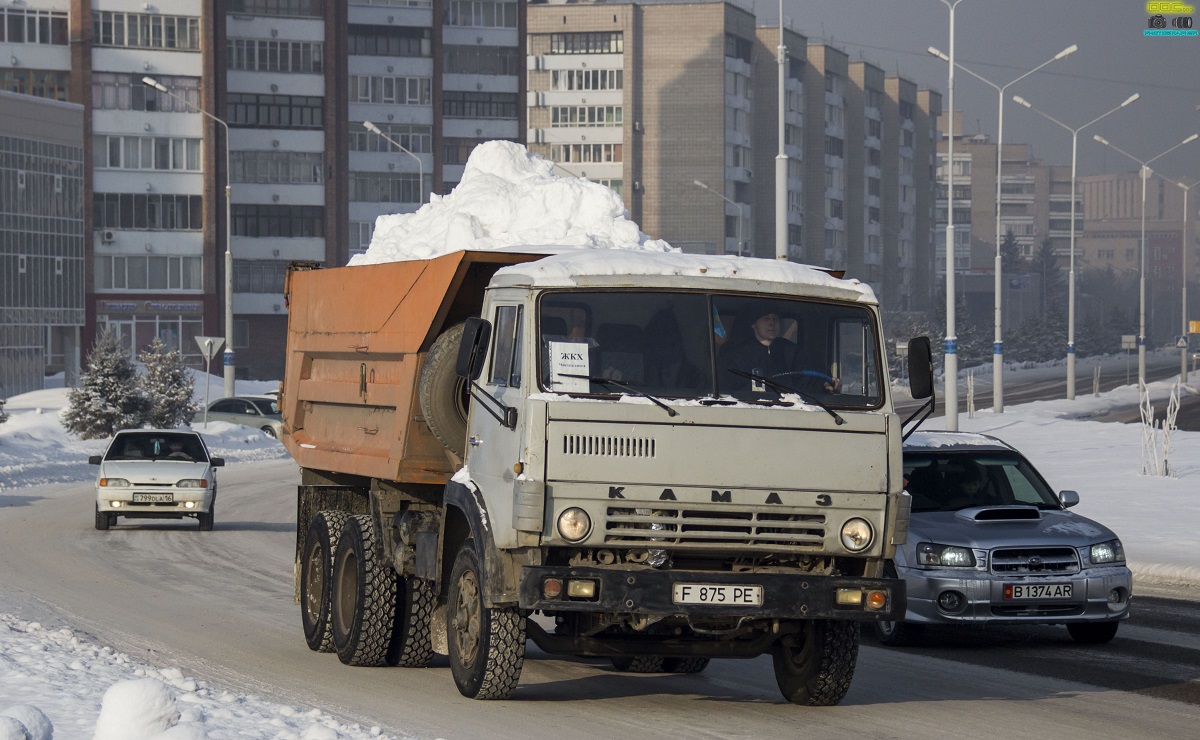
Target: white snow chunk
x=138, y=709
x=12, y=729
x=37, y=724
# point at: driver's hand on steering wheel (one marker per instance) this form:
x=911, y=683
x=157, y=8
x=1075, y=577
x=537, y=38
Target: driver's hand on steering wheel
x=833, y=385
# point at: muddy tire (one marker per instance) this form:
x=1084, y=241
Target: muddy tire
x=639, y=663
x=815, y=666
x=1093, y=633
x=363, y=597
x=316, y=567
x=104, y=520
x=487, y=645
x=206, y=519
x=443, y=395
x=411, y=646
x=685, y=665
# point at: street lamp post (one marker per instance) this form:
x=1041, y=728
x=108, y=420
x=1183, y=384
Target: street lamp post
x=741, y=216
x=998, y=343
x=1071, y=275
x=420, y=165
x=1183, y=351
x=230, y=359
x=781, y=158
x=950, y=386
x=1145, y=173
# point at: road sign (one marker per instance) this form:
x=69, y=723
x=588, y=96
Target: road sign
x=1181, y=342
x=1194, y=327
x=209, y=346
x=1128, y=341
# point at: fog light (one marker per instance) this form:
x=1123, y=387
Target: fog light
x=877, y=600
x=848, y=597
x=951, y=602
x=551, y=588
x=189, y=504
x=581, y=589
x=1114, y=596
x=115, y=504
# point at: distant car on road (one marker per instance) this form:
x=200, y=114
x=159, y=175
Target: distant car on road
x=253, y=411
x=989, y=542
x=156, y=474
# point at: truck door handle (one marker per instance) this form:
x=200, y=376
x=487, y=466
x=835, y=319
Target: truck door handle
x=474, y=441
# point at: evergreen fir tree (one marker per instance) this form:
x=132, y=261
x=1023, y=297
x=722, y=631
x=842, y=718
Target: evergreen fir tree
x=167, y=385
x=3, y=416
x=1011, y=262
x=108, y=397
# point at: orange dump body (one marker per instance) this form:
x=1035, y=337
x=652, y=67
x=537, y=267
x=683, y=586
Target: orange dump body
x=357, y=337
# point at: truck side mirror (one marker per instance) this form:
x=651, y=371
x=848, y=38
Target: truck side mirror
x=920, y=367
x=476, y=333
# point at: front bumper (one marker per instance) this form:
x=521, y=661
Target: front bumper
x=200, y=500
x=985, y=603
x=649, y=592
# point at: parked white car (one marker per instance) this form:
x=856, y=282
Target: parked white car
x=156, y=474
x=261, y=412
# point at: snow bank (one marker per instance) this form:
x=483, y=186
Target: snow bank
x=509, y=198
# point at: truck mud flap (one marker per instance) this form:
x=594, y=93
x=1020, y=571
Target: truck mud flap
x=651, y=592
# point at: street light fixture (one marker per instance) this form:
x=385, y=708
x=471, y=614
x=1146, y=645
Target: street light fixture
x=1145, y=173
x=1183, y=350
x=420, y=165
x=950, y=386
x=998, y=342
x=741, y=215
x=230, y=365
x=1071, y=275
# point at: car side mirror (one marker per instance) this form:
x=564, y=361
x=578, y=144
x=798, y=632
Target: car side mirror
x=1068, y=498
x=93, y=460
x=218, y=462
x=473, y=348
x=920, y=367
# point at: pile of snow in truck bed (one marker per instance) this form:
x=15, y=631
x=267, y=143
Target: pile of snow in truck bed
x=509, y=198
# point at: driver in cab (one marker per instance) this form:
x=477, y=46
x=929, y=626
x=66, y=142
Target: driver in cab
x=765, y=352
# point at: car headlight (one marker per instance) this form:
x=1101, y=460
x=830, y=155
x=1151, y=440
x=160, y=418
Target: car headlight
x=857, y=535
x=192, y=483
x=114, y=483
x=574, y=524
x=946, y=556
x=1107, y=552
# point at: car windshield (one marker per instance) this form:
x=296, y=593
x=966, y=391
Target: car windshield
x=156, y=446
x=702, y=345
x=265, y=406
x=951, y=481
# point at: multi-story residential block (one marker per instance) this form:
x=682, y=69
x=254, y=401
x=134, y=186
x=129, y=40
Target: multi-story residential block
x=766, y=139
x=41, y=240
x=826, y=85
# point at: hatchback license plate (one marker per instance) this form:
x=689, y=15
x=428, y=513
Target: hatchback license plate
x=153, y=498
x=719, y=595
x=1037, y=591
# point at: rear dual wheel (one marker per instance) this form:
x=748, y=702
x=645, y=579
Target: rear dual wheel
x=316, y=566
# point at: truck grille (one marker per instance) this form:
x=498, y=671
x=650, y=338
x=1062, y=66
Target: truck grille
x=1032, y=561
x=715, y=528
x=594, y=445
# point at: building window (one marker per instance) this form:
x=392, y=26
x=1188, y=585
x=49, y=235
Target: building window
x=271, y=220
x=906, y=110
x=462, y=104
x=598, y=42
x=361, y=233
x=586, y=153
x=833, y=208
x=148, y=211
x=587, y=79
x=385, y=187
x=241, y=333
x=270, y=55
x=483, y=60
x=456, y=151
x=873, y=186
x=390, y=90
x=389, y=41
x=113, y=152
x=481, y=13
x=19, y=26
x=275, y=111
x=259, y=276
x=145, y=30
x=148, y=272
x=872, y=215
x=415, y=138
x=41, y=83
x=737, y=47
x=586, y=115
x=874, y=128
x=834, y=147
x=295, y=8
x=274, y=167
x=111, y=91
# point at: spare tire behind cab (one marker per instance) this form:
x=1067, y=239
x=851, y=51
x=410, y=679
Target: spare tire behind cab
x=443, y=395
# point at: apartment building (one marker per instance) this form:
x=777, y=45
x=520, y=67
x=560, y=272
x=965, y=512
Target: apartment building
x=41, y=240
x=291, y=82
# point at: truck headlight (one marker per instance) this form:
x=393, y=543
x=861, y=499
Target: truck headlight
x=574, y=524
x=857, y=535
x=1107, y=552
x=946, y=556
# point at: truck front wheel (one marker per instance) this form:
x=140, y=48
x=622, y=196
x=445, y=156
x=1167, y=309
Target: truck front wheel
x=487, y=644
x=316, y=564
x=363, y=600
x=815, y=666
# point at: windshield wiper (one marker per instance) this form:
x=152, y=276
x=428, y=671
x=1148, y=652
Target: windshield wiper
x=781, y=389
x=609, y=381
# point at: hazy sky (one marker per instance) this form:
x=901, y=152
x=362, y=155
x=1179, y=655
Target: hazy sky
x=1003, y=39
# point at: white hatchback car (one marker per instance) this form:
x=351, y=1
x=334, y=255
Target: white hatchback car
x=156, y=474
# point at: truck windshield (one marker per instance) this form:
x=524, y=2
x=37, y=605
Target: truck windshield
x=689, y=345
